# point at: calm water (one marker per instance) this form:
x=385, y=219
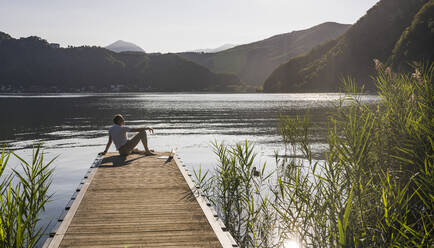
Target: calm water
x=74, y=126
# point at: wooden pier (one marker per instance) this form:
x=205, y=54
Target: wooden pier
x=139, y=201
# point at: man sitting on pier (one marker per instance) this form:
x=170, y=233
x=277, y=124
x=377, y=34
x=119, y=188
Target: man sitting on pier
x=118, y=134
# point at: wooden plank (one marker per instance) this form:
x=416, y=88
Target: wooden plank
x=60, y=232
x=224, y=237
x=137, y=201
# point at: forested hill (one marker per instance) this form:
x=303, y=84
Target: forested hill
x=392, y=31
x=33, y=64
x=417, y=41
x=254, y=62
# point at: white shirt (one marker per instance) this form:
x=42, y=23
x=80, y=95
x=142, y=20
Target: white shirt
x=119, y=135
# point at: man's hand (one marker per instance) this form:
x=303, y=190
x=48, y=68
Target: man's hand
x=150, y=130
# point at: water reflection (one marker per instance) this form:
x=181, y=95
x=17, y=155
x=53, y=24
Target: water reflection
x=74, y=126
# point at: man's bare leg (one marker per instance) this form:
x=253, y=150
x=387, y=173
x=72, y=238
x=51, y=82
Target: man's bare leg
x=137, y=151
x=144, y=139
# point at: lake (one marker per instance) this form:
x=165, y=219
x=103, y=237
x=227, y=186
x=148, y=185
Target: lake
x=74, y=127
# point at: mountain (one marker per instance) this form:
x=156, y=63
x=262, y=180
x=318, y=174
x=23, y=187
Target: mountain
x=33, y=65
x=214, y=50
x=374, y=36
x=4, y=36
x=254, y=62
x=416, y=42
x=123, y=46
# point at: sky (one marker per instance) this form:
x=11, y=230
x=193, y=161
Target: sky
x=170, y=25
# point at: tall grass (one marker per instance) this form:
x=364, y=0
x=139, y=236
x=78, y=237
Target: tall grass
x=374, y=187
x=235, y=189
x=24, y=194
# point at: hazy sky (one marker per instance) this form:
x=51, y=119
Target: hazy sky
x=170, y=25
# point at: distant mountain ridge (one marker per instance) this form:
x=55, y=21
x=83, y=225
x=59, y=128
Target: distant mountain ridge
x=214, y=50
x=253, y=62
x=124, y=46
x=4, y=36
x=33, y=65
x=376, y=35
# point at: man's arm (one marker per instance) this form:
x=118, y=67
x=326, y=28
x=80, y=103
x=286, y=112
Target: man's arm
x=109, y=143
x=140, y=129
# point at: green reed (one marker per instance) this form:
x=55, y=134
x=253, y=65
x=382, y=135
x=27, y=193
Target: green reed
x=24, y=194
x=235, y=189
x=374, y=187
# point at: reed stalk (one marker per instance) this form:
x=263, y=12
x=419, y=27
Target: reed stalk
x=374, y=187
x=24, y=194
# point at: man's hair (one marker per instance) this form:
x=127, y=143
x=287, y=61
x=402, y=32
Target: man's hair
x=118, y=118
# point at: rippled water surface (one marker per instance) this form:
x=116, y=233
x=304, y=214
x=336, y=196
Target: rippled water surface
x=74, y=126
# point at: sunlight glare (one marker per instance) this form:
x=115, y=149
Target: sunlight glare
x=291, y=244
